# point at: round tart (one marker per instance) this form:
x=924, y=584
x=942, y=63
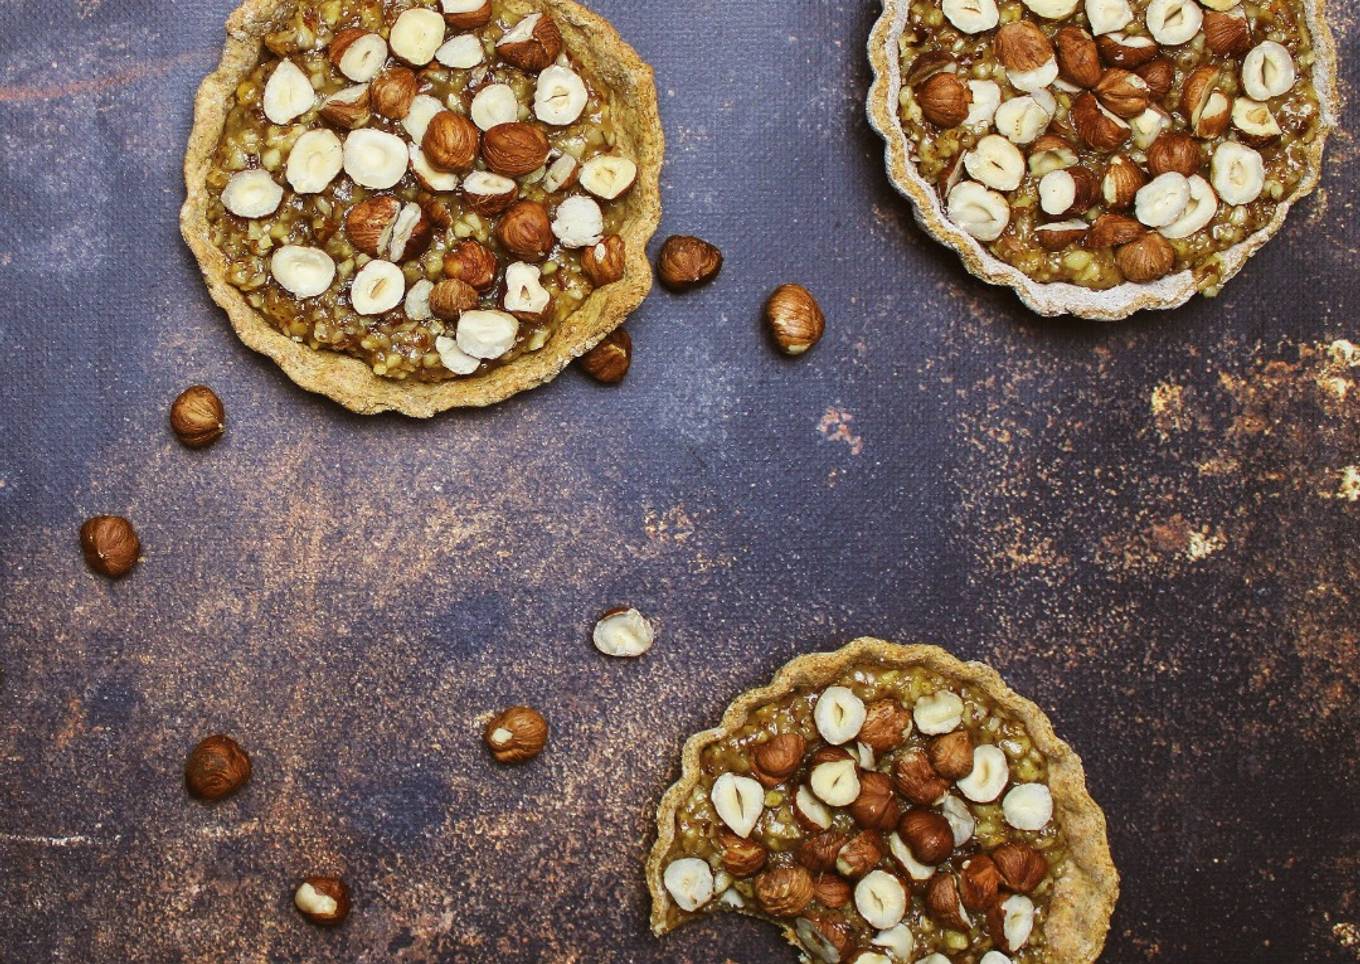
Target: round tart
x=1102, y=156
x=419, y=206
x=888, y=803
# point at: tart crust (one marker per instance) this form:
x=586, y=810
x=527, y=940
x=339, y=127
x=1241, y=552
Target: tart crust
x=1063, y=298
x=1084, y=898
x=349, y=381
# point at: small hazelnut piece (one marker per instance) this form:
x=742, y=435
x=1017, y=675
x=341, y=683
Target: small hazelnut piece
x=604, y=263
x=216, y=768
x=197, y=417
x=952, y=755
x=516, y=735
x=1125, y=50
x=794, y=319
x=348, y=108
x=928, y=834
x=526, y=231
x=1122, y=181
x=1078, y=57
x=875, y=808
x=1147, y=259
x=686, y=262
x=451, y=297
x=1057, y=235
x=623, y=631
x=470, y=262
x=741, y=857
x=832, y=891
x=515, y=149
x=784, y=891
x=944, y=100
x=916, y=779
x=392, y=91
x=324, y=901
x=861, y=854
x=777, y=759
x=886, y=725
x=818, y=853
x=450, y=142
x=979, y=882
x=1020, y=866
x=1174, y=151
x=608, y=361
x=944, y=904
x=532, y=44
x=110, y=545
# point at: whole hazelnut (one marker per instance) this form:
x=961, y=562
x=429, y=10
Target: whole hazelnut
x=979, y=882
x=1146, y=259
x=861, y=854
x=392, y=91
x=471, y=262
x=1022, y=868
x=916, y=779
x=928, y=834
x=875, y=808
x=742, y=857
x=516, y=735
x=110, y=545
x=515, y=149
x=943, y=903
x=952, y=755
x=687, y=262
x=775, y=760
x=526, y=231
x=451, y=297
x=944, y=100
x=831, y=890
x=608, y=361
x=451, y=141
x=794, y=319
x=603, y=263
x=197, y=417
x=323, y=901
x=1174, y=151
x=886, y=724
x=784, y=891
x=216, y=768
x=818, y=853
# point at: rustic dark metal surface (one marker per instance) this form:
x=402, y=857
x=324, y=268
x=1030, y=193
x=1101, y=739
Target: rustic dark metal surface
x=1149, y=528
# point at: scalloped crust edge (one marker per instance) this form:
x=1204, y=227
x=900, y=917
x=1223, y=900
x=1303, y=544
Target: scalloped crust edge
x=350, y=381
x=1084, y=899
x=1063, y=298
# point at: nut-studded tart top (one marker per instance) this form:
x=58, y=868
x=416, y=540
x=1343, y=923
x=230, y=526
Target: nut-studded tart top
x=1104, y=155
x=888, y=803
x=420, y=205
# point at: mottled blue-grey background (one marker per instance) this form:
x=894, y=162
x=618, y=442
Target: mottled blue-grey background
x=1150, y=528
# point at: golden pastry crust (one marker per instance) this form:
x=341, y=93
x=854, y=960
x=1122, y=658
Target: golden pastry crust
x=349, y=381
x=1083, y=900
x=1061, y=298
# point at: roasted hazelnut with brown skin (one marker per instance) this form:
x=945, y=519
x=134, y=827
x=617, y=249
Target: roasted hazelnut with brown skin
x=830, y=936
x=451, y=142
x=818, y=853
x=1160, y=75
x=979, y=882
x=686, y=262
x=928, y=834
x=1227, y=34
x=1078, y=57
x=451, y=297
x=829, y=754
x=861, y=854
x=831, y=890
x=604, y=263
x=514, y=149
x=916, y=779
x=1147, y=259
x=608, y=361
x=886, y=723
x=944, y=100
x=197, y=417
x=537, y=51
x=323, y=901
x=471, y=19
x=1174, y=151
x=794, y=319
x=1112, y=230
x=526, y=231
x=741, y=857
x=110, y=545
x=952, y=755
x=775, y=760
x=1123, y=92
x=392, y=91
x=875, y=808
x=784, y=891
x=216, y=768
x=516, y=735
x=472, y=263
x=943, y=902
x=1022, y=868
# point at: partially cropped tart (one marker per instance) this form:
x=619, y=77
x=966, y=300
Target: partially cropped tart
x=888, y=803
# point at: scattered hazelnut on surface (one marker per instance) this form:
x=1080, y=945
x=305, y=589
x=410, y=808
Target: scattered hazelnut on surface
x=323, y=900
x=687, y=262
x=608, y=361
x=777, y=759
x=516, y=735
x=197, y=417
x=110, y=545
x=794, y=318
x=623, y=631
x=216, y=768
x=952, y=755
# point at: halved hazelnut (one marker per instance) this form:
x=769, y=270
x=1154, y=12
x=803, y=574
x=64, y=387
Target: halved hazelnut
x=944, y=100
x=944, y=904
x=466, y=14
x=1078, y=57
x=417, y=301
x=489, y=194
x=1022, y=120
x=375, y=159
x=347, y=108
x=880, y=897
x=1050, y=10
x=579, y=222
x=996, y=162
x=287, y=94
x=525, y=297
x=252, y=194
x=526, y=231
x=739, y=801
x=302, y=271
x=1160, y=75
x=835, y=783
x=986, y=98
x=608, y=176
x=515, y=149
x=531, y=44
x=989, y=775
x=1068, y=192
x=809, y=812
x=428, y=177
x=938, y=712
x=368, y=224
x=358, y=54
x=1123, y=93
x=1227, y=34
x=486, y=334
x=971, y=16
x=471, y=262
x=1098, y=127
x=314, y=161
x=454, y=358
x=1028, y=806
x=1174, y=151
x=560, y=96
x=561, y=175
x=451, y=142
x=604, y=263
x=1147, y=259
x=1010, y=922
x=493, y=105
x=1162, y=200
x=1255, y=123
x=1057, y=235
x=1173, y=22
x=392, y=92
x=1122, y=181
x=377, y=288
x=1238, y=173
x=1107, y=16
x=1268, y=71
x=416, y=34
x=1125, y=50
x=418, y=118
x=982, y=213
x=1113, y=230
x=861, y=854
x=1206, y=108
x=1051, y=153
x=688, y=880
x=451, y=297
x=323, y=901
x=838, y=714
x=1148, y=126
x=411, y=234
x=461, y=53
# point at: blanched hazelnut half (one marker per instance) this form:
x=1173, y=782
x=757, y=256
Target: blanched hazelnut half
x=378, y=287
x=375, y=159
x=982, y=213
x=487, y=334
x=1198, y=213
x=361, y=54
x=493, y=105
x=991, y=772
x=971, y=16
x=839, y=714
x=302, y=271
x=454, y=358
x=252, y=194
x=314, y=161
x=739, y=801
x=416, y=35
x=422, y=111
x=579, y=222
x=461, y=53
x=689, y=881
x=560, y=96
x=1238, y=173
x=1268, y=71
x=881, y=899
x=608, y=176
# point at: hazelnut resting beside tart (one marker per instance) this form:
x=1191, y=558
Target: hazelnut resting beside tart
x=888, y=803
x=408, y=205
x=1102, y=156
